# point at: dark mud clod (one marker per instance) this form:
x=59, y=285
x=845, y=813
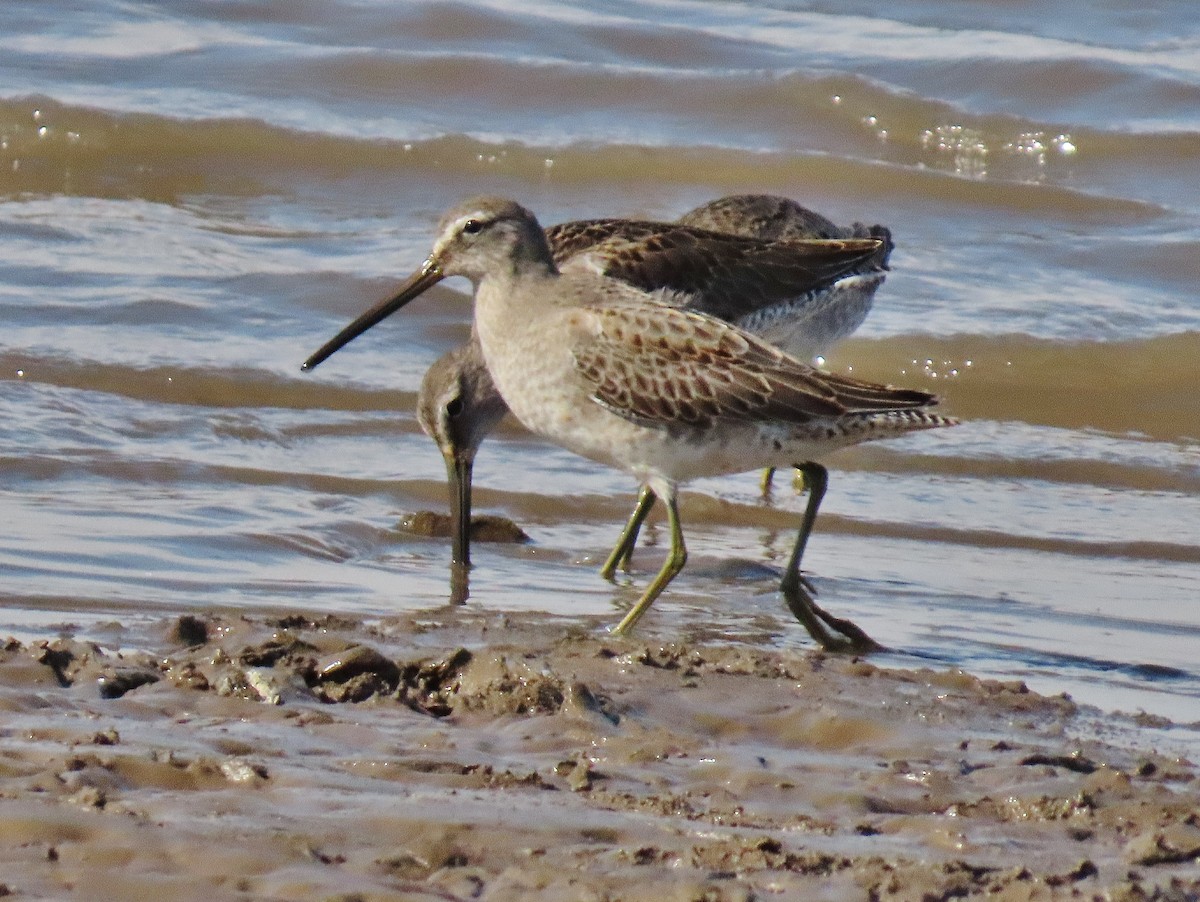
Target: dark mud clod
x=191, y=630
x=1076, y=763
x=117, y=682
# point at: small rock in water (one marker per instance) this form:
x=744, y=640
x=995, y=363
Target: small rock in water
x=489, y=528
x=484, y=528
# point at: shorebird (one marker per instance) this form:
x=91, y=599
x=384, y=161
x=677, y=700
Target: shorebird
x=828, y=314
x=619, y=375
x=805, y=306
x=800, y=294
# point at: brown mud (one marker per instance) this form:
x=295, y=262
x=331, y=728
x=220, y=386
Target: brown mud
x=471, y=755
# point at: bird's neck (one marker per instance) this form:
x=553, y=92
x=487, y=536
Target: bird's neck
x=510, y=304
x=508, y=283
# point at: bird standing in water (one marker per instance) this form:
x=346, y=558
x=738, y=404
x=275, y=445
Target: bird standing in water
x=621, y=376
x=812, y=294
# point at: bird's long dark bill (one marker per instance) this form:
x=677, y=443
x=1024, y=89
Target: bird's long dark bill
x=458, y=472
x=418, y=282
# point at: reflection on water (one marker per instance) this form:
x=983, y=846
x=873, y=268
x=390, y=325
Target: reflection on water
x=192, y=200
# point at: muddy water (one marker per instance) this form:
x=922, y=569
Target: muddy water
x=192, y=199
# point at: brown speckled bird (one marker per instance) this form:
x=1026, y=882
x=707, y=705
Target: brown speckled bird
x=621, y=376
x=795, y=300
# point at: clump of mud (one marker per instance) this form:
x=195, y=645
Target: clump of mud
x=484, y=527
x=466, y=755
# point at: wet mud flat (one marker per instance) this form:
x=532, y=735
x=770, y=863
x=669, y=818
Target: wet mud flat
x=466, y=754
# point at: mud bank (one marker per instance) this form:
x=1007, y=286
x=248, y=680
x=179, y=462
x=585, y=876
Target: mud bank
x=468, y=755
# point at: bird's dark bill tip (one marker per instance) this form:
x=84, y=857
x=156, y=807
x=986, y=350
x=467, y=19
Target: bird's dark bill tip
x=413, y=286
x=313, y=362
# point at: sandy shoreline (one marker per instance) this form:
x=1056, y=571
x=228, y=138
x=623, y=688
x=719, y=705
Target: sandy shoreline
x=468, y=755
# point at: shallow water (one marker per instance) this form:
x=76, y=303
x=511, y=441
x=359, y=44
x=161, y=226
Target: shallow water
x=192, y=199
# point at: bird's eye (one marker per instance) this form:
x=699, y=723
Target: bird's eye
x=454, y=407
x=472, y=227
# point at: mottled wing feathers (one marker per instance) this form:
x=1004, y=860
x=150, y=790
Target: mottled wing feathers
x=776, y=218
x=762, y=216
x=677, y=369
x=724, y=275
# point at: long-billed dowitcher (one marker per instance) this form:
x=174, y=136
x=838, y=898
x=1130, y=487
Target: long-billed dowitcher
x=828, y=314
x=801, y=294
x=804, y=306
x=615, y=374
x=458, y=406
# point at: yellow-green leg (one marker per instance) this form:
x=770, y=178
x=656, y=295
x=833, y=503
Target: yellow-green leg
x=764, y=483
x=799, y=480
x=670, y=569
x=623, y=552
x=820, y=624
